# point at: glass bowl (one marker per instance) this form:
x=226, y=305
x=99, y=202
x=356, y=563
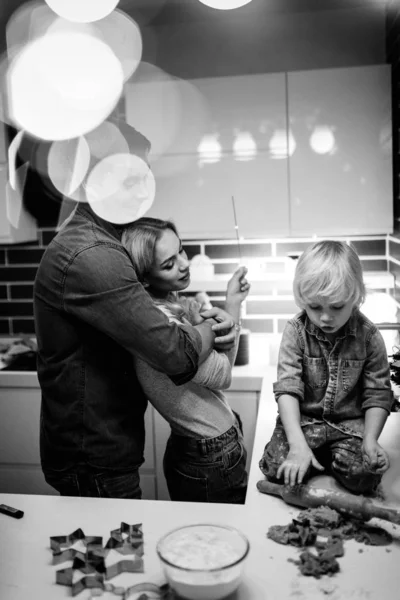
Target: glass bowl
x=204, y=561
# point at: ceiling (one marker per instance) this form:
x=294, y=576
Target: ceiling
x=158, y=12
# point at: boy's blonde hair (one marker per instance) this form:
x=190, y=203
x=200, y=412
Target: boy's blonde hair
x=329, y=270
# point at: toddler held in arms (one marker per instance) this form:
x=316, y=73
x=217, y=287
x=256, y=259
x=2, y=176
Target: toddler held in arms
x=333, y=389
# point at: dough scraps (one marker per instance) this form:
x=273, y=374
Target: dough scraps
x=322, y=531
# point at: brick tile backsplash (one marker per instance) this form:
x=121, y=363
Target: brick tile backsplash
x=394, y=249
x=19, y=326
x=4, y=327
x=286, y=248
x=233, y=251
x=21, y=292
x=191, y=250
x=374, y=265
x=274, y=306
x=266, y=314
x=16, y=309
x=225, y=268
x=258, y=325
x=369, y=247
x=17, y=273
x=47, y=236
x=24, y=256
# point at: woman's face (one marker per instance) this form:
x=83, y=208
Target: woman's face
x=170, y=269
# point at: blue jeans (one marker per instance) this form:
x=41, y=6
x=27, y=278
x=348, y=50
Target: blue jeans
x=88, y=482
x=207, y=470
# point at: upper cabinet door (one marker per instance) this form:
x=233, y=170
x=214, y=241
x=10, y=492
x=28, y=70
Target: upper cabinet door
x=215, y=146
x=341, y=168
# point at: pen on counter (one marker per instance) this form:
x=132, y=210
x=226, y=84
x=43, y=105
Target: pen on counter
x=11, y=512
x=236, y=229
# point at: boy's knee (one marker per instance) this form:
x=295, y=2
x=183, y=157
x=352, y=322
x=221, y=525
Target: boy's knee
x=356, y=478
x=269, y=468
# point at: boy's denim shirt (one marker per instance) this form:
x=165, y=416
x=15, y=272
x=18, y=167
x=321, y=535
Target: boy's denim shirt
x=91, y=316
x=337, y=382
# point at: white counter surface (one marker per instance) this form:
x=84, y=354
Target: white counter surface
x=246, y=377
x=26, y=571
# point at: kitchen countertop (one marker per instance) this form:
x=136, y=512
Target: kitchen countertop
x=26, y=570
x=247, y=377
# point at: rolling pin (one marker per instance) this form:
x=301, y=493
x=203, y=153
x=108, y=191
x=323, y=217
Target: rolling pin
x=349, y=505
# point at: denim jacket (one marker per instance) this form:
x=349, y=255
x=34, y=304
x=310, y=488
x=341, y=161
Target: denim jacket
x=91, y=316
x=334, y=382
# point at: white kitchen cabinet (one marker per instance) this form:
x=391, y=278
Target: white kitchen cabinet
x=320, y=159
x=210, y=141
x=20, y=470
x=244, y=402
x=341, y=169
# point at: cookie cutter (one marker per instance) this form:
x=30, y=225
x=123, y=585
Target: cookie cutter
x=127, y=539
x=97, y=585
x=133, y=532
x=60, y=543
x=65, y=577
x=124, y=566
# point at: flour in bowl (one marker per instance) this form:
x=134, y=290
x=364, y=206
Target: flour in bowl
x=201, y=549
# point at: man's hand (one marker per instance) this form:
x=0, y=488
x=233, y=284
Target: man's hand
x=375, y=458
x=223, y=328
x=297, y=463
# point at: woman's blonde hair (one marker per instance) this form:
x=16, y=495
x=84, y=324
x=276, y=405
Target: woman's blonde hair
x=139, y=239
x=329, y=270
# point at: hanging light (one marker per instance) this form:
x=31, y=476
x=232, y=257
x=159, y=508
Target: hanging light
x=225, y=4
x=244, y=146
x=209, y=149
x=322, y=140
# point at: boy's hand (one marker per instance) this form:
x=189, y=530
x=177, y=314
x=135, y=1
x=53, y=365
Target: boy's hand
x=297, y=463
x=238, y=286
x=375, y=458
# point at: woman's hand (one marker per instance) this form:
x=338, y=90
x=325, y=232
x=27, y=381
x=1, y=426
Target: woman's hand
x=297, y=463
x=224, y=327
x=375, y=457
x=238, y=286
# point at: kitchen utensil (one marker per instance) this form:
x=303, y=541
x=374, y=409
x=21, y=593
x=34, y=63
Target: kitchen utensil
x=308, y=496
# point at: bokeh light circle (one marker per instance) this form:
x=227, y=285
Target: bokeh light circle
x=120, y=188
x=63, y=85
x=322, y=139
x=68, y=163
x=82, y=11
x=122, y=34
x=172, y=113
x=28, y=22
x=225, y=4
x=106, y=140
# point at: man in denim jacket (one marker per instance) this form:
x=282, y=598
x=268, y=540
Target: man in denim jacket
x=333, y=389
x=91, y=316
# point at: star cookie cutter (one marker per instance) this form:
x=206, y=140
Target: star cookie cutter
x=127, y=539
